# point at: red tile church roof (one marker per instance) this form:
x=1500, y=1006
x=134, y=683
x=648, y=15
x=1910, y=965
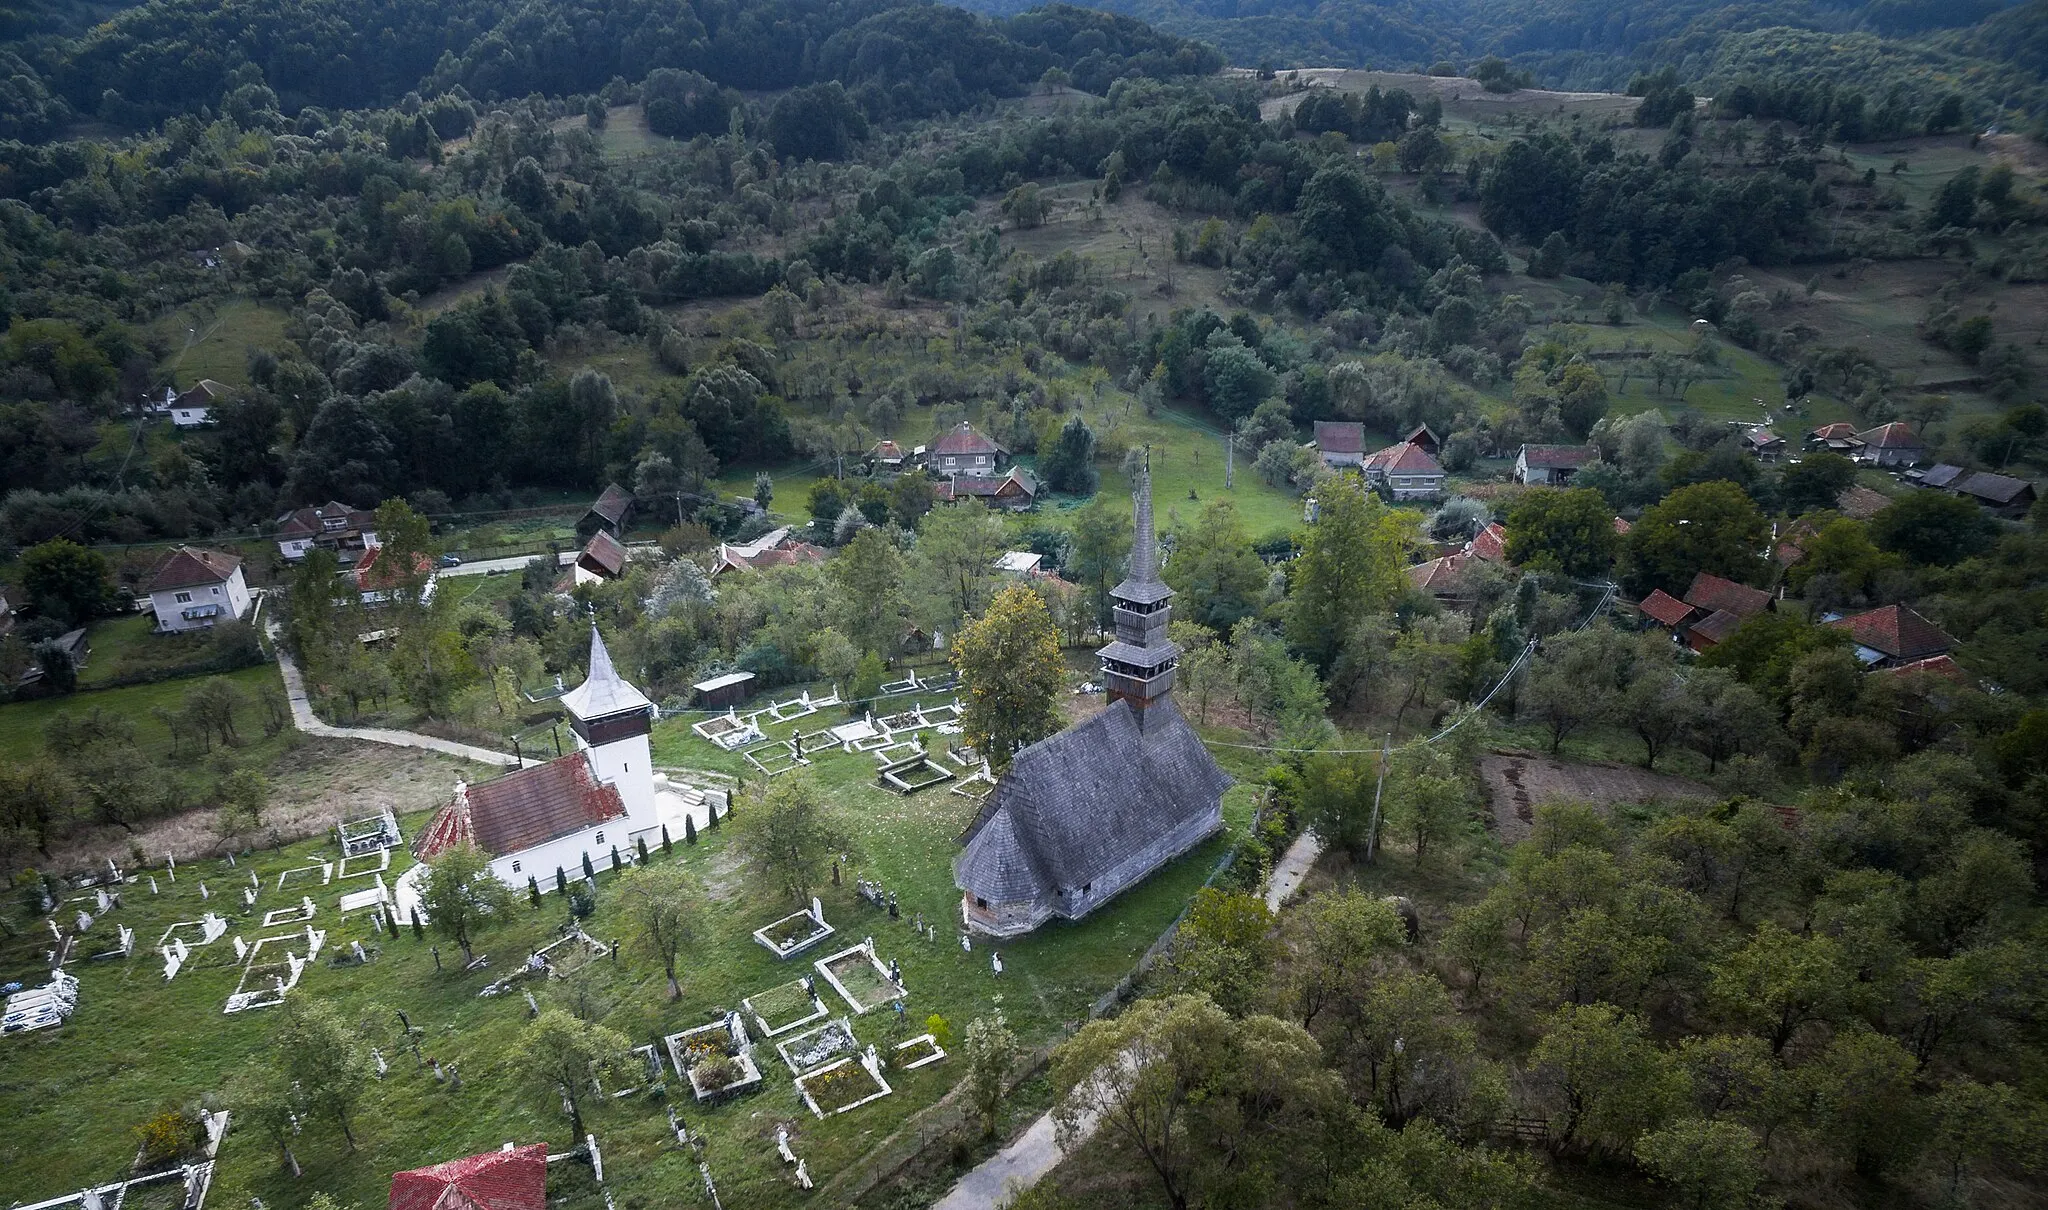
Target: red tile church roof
x=523, y=809
x=496, y=1180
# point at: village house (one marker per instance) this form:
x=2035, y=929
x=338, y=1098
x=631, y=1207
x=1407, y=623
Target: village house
x=1894, y=444
x=377, y=576
x=1445, y=578
x=554, y=815
x=1837, y=438
x=1016, y=490
x=1490, y=543
x=1892, y=636
x=195, y=407
x=195, y=588
x=1763, y=444
x=72, y=643
x=602, y=558
x=1340, y=443
x=966, y=450
x=2002, y=494
x=341, y=528
x=1425, y=437
x=887, y=457
x=1551, y=465
x=1711, y=610
x=1020, y=563
x=772, y=549
x=1083, y=815
x=1405, y=471
x=612, y=512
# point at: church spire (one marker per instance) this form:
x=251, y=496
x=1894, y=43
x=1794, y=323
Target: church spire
x=1138, y=667
x=1145, y=547
x=603, y=692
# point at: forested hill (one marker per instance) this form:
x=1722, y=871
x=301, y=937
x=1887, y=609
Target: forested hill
x=1989, y=46
x=900, y=58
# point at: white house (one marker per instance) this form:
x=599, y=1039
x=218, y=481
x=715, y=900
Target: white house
x=339, y=527
x=1406, y=471
x=553, y=816
x=1551, y=465
x=195, y=588
x=195, y=407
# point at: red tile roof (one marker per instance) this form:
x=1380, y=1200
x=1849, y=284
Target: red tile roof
x=1860, y=503
x=523, y=809
x=1491, y=543
x=1340, y=437
x=887, y=451
x=1621, y=526
x=1716, y=626
x=1438, y=575
x=1896, y=631
x=496, y=1180
x=1711, y=592
x=370, y=576
x=1898, y=435
x=309, y=522
x=1406, y=458
x=192, y=565
x=1665, y=608
x=964, y=438
x=1833, y=432
x=1934, y=665
x=603, y=554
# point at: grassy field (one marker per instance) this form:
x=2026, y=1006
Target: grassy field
x=213, y=341
x=138, y=1043
x=21, y=723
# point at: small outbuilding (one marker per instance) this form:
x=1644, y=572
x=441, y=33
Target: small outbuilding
x=728, y=689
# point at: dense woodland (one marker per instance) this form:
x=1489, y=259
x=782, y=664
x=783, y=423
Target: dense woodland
x=1821, y=984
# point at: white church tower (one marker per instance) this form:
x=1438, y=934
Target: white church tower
x=611, y=720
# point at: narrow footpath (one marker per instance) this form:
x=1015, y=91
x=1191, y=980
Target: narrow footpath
x=1021, y=1164
x=305, y=720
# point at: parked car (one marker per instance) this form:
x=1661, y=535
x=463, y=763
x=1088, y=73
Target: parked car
x=451, y=560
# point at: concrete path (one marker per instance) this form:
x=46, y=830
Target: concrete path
x=305, y=720
x=1292, y=867
x=1016, y=1167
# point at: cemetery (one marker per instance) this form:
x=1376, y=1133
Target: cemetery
x=442, y=1085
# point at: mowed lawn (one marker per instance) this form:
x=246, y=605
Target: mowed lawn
x=137, y=1043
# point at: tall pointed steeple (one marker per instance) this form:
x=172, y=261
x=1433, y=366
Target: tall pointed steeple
x=1138, y=667
x=604, y=692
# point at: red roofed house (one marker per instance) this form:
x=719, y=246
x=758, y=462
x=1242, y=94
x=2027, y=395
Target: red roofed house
x=602, y=558
x=1893, y=635
x=1406, y=471
x=1894, y=444
x=1491, y=543
x=551, y=816
x=513, y=1179
x=1425, y=437
x=1622, y=526
x=194, y=588
x=1666, y=610
x=1724, y=605
x=1016, y=490
x=1838, y=438
x=1340, y=442
x=1551, y=465
x=888, y=455
x=1943, y=666
x=377, y=576
x=339, y=527
x=965, y=450
x=612, y=511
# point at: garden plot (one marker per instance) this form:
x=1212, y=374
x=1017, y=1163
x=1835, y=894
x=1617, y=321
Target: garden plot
x=323, y=871
x=716, y=1058
x=920, y=1051
x=784, y=1007
x=814, y=1048
x=860, y=978
x=795, y=932
x=365, y=864
x=847, y=1084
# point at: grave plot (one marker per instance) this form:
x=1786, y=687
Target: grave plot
x=363, y=865
x=918, y=1052
x=377, y=894
x=784, y=1007
x=727, y=731
x=209, y=929
x=264, y=982
x=795, y=932
x=847, y=735
x=814, y=1048
x=40, y=1007
x=717, y=1058
x=320, y=873
x=377, y=832
x=775, y=758
x=290, y=915
x=896, y=750
x=912, y=774
x=847, y=1084
x=860, y=978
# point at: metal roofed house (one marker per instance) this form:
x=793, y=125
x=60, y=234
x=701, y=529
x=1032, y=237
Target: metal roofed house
x=1016, y=491
x=194, y=588
x=966, y=450
x=515, y=1178
x=195, y=407
x=602, y=558
x=772, y=549
x=1425, y=437
x=1764, y=444
x=2002, y=494
x=1083, y=815
x=1406, y=471
x=71, y=643
x=1340, y=442
x=1551, y=465
x=612, y=511
x=1893, y=635
x=1893, y=444
x=1019, y=562
x=1941, y=475
x=339, y=527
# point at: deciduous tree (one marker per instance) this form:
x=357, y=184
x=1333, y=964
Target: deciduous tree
x=661, y=904
x=460, y=895
x=1009, y=662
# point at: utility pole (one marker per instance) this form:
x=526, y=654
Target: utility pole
x=1229, y=462
x=1372, y=837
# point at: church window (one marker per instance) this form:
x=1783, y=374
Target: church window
x=980, y=902
x=515, y=867
x=600, y=838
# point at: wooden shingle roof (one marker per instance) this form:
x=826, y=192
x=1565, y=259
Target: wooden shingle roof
x=612, y=503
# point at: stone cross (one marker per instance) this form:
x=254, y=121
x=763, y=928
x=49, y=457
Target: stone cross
x=100, y=897
x=253, y=883
x=782, y=1145
x=231, y=861
x=532, y=1006
x=203, y=892
x=382, y=1067
x=54, y=930
x=248, y=897
x=84, y=921
x=995, y=958
x=152, y=884
x=439, y=1075
x=360, y=955
x=803, y=1173
x=966, y=944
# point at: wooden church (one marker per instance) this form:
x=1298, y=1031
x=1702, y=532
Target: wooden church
x=1082, y=815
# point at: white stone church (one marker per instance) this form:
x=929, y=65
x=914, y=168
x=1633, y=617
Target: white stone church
x=551, y=816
